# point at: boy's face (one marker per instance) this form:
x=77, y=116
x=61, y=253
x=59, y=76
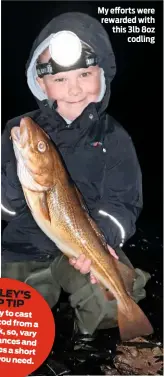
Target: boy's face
x=73, y=90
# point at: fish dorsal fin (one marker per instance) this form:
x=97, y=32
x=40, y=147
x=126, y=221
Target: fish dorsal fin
x=83, y=205
x=91, y=221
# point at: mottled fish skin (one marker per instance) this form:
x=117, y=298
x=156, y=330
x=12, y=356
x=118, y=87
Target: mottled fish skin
x=58, y=208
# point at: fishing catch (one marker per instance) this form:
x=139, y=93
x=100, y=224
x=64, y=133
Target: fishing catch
x=58, y=208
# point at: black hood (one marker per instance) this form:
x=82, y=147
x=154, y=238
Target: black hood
x=89, y=30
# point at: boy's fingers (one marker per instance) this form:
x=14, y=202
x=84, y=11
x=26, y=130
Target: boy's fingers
x=93, y=279
x=86, y=266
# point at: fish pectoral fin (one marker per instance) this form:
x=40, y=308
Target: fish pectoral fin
x=128, y=275
x=132, y=321
x=44, y=206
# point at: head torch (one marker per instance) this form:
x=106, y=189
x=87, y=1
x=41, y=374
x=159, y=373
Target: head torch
x=67, y=53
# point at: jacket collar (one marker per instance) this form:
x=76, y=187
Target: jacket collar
x=87, y=128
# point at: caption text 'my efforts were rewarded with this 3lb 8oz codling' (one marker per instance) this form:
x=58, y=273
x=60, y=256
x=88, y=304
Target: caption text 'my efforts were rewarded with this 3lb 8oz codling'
x=137, y=23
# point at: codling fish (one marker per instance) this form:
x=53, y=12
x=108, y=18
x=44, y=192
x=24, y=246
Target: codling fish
x=58, y=208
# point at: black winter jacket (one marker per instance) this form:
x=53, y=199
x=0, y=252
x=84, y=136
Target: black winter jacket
x=97, y=151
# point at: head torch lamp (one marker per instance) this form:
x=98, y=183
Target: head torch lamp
x=67, y=53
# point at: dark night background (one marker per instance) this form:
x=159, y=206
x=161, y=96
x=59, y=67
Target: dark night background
x=136, y=99
x=136, y=102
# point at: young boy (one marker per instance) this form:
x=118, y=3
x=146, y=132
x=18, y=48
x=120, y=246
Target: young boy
x=69, y=72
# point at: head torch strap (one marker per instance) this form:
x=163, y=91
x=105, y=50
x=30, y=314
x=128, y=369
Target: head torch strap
x=51, y=68
x=44, y=69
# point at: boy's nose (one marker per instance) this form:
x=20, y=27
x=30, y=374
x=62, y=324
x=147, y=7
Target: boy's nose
x=74, y=88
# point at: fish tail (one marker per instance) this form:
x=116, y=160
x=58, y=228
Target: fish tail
x=132, y=321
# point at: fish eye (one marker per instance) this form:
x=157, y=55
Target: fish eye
x=41, y=146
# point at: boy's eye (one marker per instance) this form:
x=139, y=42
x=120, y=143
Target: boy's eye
x=85, y=74
x=61, y=79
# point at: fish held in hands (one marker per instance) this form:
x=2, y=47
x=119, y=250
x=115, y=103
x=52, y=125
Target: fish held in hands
x=58, y=209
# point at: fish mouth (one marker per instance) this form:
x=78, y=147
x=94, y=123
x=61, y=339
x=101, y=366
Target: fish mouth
x=15, y=134
x=20, y=134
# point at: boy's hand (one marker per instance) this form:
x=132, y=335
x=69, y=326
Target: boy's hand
x=84, y=265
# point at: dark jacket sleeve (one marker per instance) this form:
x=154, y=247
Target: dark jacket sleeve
x=12, y=198
x=121, y=202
